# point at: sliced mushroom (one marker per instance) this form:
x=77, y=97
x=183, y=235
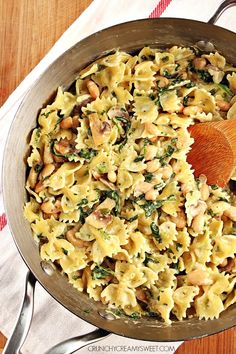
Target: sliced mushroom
x=216, y=73
x=101, y=130
x=117, y=111
x=101, y=217
x=107, y=183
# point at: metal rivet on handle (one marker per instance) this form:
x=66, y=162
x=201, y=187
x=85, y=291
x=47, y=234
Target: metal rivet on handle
x=206, y=46
x=107, y=315
x=48, y=268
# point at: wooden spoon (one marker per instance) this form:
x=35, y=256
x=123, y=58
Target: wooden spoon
x=213, y=152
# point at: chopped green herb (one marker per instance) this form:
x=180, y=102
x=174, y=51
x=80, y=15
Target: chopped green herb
x=100, y=272
x=46, y=114
x=87, y=311
x=190, y=84
x=170, y=150
x=167, y=74
x=88, y=112
x=178, y=246
x=152, y=96
x=61, y=237
x=102, y=168
x=139, y=158
x=101, y=67
x=75, y=277
x=87, y=154
x=135, y=217
x=213, y=91
x=159, y=186
x=155, y=231
x=83, y=201
x=185, y=101
x=148, y=177
x=175, y=265
x=177, y=80
x=165, y=59
x=38, y=168
x=119, y=312
x=135, y=315
x=214, y=186
x=221, y=199
x=64, y=251
x=233, y=232
x=211, y=213
x=41, y=237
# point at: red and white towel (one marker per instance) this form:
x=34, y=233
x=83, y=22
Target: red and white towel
x=52, y=323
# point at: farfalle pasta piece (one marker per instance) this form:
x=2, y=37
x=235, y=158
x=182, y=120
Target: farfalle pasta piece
x=144, y=76
x=216, y=59
x=76, y=260
x=208, y=306
x=144, y=107
x=170, y=102
x=204, y=100
x=224, y=247
x=119, y=295
x=183, y=298
x=181, y=53
x=157, y=262
x=163, y=304
x=202, y=248
x=55, y=249
x=134, y=276
x=167, y=235
x=105, y=246
x=64, y=102
x=171, y=199
x=58, y=179
x=110, y=77
x=32, y=210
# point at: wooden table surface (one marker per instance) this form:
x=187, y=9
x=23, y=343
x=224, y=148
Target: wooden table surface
x=28, y=29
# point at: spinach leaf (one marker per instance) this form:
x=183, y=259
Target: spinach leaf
x=100, y=272
x=149, y=207
x=139, y=158
x=155, y=231
x=148, y=177
x=226, y=89
x=204, y=75
x=87, y=154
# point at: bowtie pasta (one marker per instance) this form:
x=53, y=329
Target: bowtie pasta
x=112, y=199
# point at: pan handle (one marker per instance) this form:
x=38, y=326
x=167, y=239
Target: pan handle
x=71, y=345
x=22, y=326
x=221, y=9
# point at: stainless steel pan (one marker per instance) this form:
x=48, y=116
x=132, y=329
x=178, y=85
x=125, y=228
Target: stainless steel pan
x=129, y=36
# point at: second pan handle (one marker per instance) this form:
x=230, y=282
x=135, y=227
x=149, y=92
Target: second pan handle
x=221, y=9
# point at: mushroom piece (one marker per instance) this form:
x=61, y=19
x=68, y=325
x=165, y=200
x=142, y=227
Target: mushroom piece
x=101, y=217
x=117, y=111
x=100, y=129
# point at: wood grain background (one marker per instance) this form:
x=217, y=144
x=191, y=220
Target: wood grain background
x=28, y=29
